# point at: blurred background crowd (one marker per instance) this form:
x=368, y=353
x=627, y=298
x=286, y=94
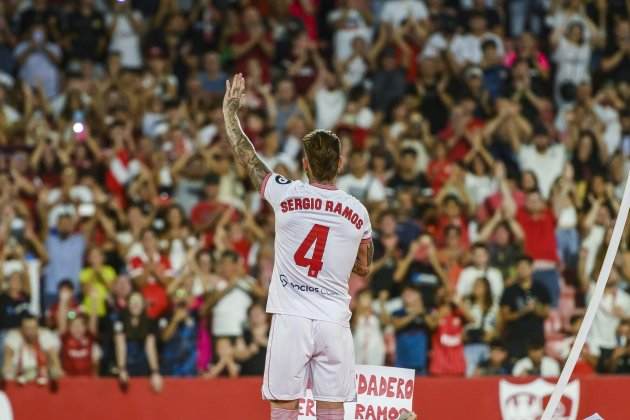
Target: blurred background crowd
x=490, y=140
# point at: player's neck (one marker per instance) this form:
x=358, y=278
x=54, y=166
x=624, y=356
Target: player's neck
x=327, y=185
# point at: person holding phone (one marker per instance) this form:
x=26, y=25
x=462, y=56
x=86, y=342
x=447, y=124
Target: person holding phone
x=38, y=60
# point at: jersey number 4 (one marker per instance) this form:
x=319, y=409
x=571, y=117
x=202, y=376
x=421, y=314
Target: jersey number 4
x=318, y=236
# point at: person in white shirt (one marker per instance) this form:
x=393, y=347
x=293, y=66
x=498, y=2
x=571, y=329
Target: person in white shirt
x=572, y=54
x=330, y=99
x=349, y=24
x=614, y=306
x=479, y=269
x=125, y=26
x=397, y=11
x=360, y=182
x=31, y=353
x=536, y=363
x=586, y=107
x=544, y=159
x=466, y=48
x=367, y=332
x=322, y=236
x=231, y=298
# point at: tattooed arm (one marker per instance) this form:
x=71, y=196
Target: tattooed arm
x=241, y=146
x=364, y=258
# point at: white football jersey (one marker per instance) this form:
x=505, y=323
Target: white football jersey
x=318, y=233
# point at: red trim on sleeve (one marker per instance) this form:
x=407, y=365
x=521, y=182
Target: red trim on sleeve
x=264, y=184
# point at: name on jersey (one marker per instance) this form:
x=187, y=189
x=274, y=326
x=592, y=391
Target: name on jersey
x=310, y=203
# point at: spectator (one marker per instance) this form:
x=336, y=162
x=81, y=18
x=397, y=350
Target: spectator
x=179, y=337
x=395, y=12
x=229, y=302
x=369, y=345
x=15, y=299
x=619, y=362
x=151, y=271
x=65, y=249
x=587, y=363
x=447, y=341
x=616, y=63
x=538, y=224
x=497, y=361
x=136, y=344
x=480, y=268
x=505, y=242
x=524, y=307
x=38, y=59
x=349, y=22
x=125, y=26
x=31, y=353
x=253, y=43
x=466, y=48
x=96, y=281
x=251, y=348
x=406, y=175
x=614, y=307
x=213, y=78
x=80, y=354
x=360, y=182
x=85, y=32
x=420, y=267
x=482, y=312
x=412, y=327
x=536, y=363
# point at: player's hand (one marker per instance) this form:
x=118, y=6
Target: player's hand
x=234, y=94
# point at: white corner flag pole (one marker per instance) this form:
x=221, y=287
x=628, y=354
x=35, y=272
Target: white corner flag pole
x=593, y=305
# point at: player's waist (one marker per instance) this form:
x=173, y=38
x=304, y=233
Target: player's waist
x=343, y=321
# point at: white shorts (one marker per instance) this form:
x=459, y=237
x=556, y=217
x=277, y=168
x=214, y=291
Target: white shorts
x=302, y=350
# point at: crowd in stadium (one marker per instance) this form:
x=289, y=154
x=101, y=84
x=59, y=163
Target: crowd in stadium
x=490, y=140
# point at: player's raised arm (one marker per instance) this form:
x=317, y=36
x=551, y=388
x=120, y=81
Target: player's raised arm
x=241, y=146
x=364, y=258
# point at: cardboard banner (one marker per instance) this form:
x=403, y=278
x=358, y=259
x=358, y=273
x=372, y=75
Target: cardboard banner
x=383, y=393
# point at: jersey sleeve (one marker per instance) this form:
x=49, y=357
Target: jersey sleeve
x=274, y=188
x=367, y=227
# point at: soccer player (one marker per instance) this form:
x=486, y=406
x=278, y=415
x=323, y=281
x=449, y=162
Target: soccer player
x=322, y=235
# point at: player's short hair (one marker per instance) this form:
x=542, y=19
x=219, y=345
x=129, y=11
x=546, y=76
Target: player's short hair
x=323, y=150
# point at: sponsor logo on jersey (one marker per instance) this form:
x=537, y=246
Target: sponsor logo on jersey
x=304, y=288
x=527, y=401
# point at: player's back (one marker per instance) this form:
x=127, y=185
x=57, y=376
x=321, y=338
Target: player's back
x=318, y=233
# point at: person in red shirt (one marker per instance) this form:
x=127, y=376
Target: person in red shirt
x=306, y=12
x=447, y=344
x=207, y=212
x=461, y=127
x=538, y=223
x=440, y=167
x=253, y=42
x=151, y=271
x=80, y=354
